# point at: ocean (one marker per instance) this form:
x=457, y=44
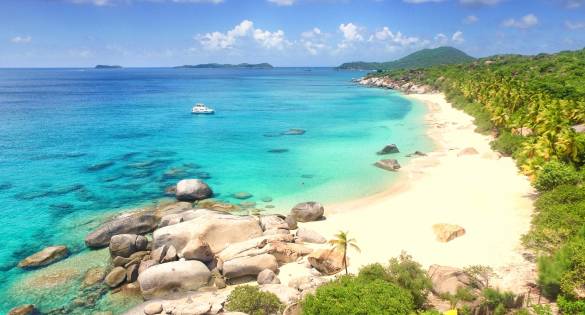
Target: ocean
x=79, y=144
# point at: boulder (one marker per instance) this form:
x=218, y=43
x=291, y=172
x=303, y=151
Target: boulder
x=285, y=294
x=192, y=190
x=135, y=223
x=249, y=266
x=447, y=279
x=388, y=164
x=177, y=276
x=274, y=221
x=172, y=219
x=216, y=205
x=287, y=252
x=198, y=250
x=170, y=255
x=310, y=236
x=174, y=208
x=145, y=264
x=327, y=261
x=153, y=308
x=468, y=151
x=132, y=273
x=291, y=221
x=276, y=231
x=252, y=247
x=416, y=153
x=307, y=211
x=388, y=149
x=45, y=257
x=447, y=232
x=212, y=231
x=267, y=276
x=242, y=195
x=116, y=277
x=124, y=245
x=27, y=309
x=133, y=259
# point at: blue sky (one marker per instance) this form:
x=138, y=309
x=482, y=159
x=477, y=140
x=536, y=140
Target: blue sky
x=72, y=33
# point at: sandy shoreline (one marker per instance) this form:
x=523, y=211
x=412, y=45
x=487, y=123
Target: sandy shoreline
x=483, y=193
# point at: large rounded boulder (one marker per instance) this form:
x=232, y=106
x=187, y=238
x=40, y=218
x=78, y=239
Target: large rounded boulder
x=192, y=190
x=307, y=211
x=125, y=245
x=45, y=257
x=135, y=223
x=172, y=277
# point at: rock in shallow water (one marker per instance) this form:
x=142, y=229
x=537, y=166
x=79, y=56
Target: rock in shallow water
x=307, y=211
x=294, y=132
x=45, y=257
x=27, y=309
x=242, y=195
x=192, y=190
x=116, y=277
x=388, y=149
x=388, y=164
x=135, y=223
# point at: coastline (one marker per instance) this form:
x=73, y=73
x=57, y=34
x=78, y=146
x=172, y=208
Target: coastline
x=420, y=199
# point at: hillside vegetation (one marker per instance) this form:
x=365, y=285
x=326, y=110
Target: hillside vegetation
x=419, y=59
x=535, y=106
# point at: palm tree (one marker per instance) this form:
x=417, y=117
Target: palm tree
x=341, y=242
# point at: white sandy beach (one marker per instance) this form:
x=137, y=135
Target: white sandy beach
x=482, y=193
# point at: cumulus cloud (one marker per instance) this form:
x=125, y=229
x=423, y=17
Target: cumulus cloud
x=442, y=39
x=470, y=19
x=577, y=25
x=527, y=21
x=21, y=39
x=457, y=37
x=283, y=2
x=573, y=4
x=243, y=31
x=313, y=41
x=350, y=32
x=386, y=35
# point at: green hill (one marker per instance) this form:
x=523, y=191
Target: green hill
x=420, y=59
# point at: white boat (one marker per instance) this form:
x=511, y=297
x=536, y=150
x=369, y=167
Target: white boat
x=200, y=108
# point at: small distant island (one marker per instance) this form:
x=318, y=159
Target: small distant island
x=218, y=65
x=108, y=67
x=420, y=59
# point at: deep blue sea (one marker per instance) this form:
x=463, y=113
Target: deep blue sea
x=76, y=144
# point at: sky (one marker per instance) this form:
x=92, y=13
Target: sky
x=152, y=33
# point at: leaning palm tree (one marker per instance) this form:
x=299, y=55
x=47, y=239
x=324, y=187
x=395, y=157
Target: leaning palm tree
x=341, y=243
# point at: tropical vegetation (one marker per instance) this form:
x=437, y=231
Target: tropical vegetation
x=342, y=242
x=535, y=108
x=250, y=300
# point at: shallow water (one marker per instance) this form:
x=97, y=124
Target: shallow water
x=78, y=143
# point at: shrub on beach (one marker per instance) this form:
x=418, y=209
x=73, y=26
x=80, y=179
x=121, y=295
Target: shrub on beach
x=250, y=300
x=564, y=271
x=554, y=174
x=507, y=143
x=353, y=295
x=404, y=272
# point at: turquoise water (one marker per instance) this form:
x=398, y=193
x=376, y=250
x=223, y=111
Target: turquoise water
x=78, y=143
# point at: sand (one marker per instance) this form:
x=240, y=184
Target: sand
x=483, y=193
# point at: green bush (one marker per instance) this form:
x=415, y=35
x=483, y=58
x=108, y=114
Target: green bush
x=571, y=307
x=560, y=214
x=563, y=272
x=497, y=301
x=554, y=174
x=250, y=300
x=403, y=272
x=507, y=143
x=352, y=295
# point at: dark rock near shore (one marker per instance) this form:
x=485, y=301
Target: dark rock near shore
x=45, y=257
x=242, y=195
x=291, y=221
x=27, y=309
x=416, y=153
x=125, y=245
x=389, y=149
x=193, y=190
x=389, y=165
x=307, y=211
x=135, y=223
x=278, y=150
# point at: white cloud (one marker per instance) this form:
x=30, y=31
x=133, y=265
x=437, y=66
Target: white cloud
x=313, y=41
x=470, y=19
x=457, y=37
x=241, y=32
x=441, y=39
x=21, y=39
x=575, y=25
x=270, y=39
x=573, y=4
x=385, y=35
x=283, y=2
x=350, y=32
x=527, y=21
x=480, y=2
